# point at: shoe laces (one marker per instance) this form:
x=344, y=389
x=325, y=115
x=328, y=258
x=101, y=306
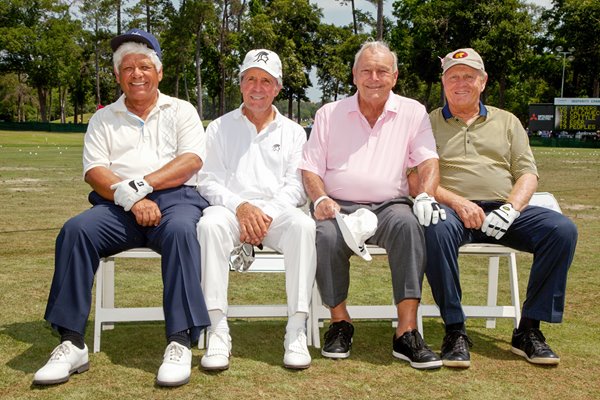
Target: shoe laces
x=60, y=351
x=416, y=342
x=174, y=352
x=459, y=340
x=218, y=344
x=297, y=344
x=537, y=339
x=341, y=331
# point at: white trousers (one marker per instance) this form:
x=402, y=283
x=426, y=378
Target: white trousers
x=291, y=233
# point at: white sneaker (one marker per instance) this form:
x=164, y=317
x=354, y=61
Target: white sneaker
x=296, y=351
x=176, y=367
x=218, y=351
x=66, y=359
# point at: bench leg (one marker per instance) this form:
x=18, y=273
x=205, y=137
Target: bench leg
x=492, y=299
x=108, y=289
x=514, y=287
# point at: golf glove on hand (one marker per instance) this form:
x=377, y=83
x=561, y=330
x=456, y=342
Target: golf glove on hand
x=498, y=221
x=427, y=210
x=130, y=191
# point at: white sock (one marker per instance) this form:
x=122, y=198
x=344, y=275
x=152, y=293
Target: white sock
x=297, y=321
x=218, y=321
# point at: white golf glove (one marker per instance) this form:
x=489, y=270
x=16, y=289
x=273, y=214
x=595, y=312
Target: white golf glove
x=427, y=210
x=498, y=221
x=130, y=191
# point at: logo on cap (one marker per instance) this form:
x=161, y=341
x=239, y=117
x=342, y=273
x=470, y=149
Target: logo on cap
x=262, y=56
x=460, y=54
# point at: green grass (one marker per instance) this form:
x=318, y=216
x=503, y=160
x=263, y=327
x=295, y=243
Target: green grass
x=41, y=187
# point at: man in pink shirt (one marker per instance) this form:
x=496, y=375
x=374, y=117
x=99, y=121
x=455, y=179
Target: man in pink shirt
x=356, y=157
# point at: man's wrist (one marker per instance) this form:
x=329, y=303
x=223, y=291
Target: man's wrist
x=319, y=200
x=240, y=205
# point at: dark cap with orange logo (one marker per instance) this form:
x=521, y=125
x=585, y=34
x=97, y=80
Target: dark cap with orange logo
x=468, y=57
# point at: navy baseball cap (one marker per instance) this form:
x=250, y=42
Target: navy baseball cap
x=140, y=36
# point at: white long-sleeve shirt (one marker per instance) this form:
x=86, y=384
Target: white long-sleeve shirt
x=258, y=167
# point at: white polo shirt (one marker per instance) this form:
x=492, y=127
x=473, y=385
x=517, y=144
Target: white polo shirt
x=131, y=147
x=259, y=167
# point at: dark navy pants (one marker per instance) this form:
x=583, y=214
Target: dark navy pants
x=549, y=235
x=106, y=229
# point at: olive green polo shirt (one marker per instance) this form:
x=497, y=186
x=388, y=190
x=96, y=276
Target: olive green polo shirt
x=484, y=160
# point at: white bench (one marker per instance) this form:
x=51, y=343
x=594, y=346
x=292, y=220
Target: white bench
x=106, y=314
x=491, y=310
x=320, y=312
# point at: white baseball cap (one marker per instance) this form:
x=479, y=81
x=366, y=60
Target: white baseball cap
x=265, y=60
x=356, y=229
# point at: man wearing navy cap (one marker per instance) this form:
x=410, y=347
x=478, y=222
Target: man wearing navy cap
x=141, y=157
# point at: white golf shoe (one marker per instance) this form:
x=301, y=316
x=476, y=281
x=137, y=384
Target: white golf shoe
x=176, y=367
x=296, y=351
x=218, y=351
x=66, y=359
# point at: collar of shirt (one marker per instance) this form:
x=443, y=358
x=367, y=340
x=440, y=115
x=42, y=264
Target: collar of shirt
x=483, y=111
x=163, y=101
x=392, y=104
x=238, y=114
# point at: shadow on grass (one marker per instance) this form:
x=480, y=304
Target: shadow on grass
x=141, y=345
x=131, y=345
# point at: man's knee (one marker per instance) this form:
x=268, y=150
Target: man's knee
x=303, y=225
x=327, y=233
x=210, y=223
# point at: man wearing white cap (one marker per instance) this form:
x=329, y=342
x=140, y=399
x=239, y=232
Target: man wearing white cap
x=355, y=161
x=487, y=177
x=141, y=156
x=252, y=182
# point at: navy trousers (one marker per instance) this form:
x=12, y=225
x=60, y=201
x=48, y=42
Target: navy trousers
x=106, y=229
x=549, y=235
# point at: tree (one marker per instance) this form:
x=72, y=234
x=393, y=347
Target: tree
x=576, y=24
x=336, y=47
x=289, y=28
x=97, y=16
x=40, y=40
x=500, y=30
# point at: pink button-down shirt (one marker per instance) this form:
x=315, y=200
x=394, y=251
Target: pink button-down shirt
x=368, y=165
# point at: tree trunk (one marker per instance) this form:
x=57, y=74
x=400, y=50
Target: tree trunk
x=198, y=74
x=186, y=88
x=298, y=113
x=62, y=94
x=501, y=91
x=221, y=64
x=177, y=77
x=379, y=19
x=427, y=95
x=148, y=16
x=354, y=18
x=42, y=96
x=97, y=65
x=20, y=112
x=118, y=17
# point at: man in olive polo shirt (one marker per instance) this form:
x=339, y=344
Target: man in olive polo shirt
x=487, y=177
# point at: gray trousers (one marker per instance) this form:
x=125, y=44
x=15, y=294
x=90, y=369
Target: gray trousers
x=398, y=232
